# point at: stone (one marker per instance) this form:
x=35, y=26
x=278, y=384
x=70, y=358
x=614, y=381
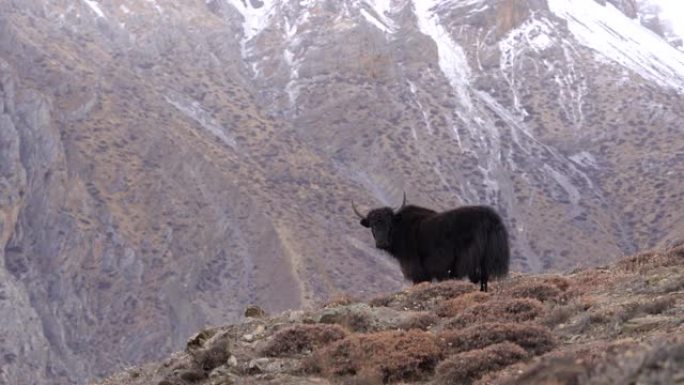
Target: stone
x=191, y=375
x=644, y=324
x=198, y=340
x=254, y=311
x=232, y=361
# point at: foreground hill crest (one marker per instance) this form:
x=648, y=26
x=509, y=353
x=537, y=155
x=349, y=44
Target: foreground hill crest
x=616, y=324
x=162, y=161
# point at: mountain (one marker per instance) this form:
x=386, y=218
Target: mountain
x=617, y=324
x=165, y=163
x=663, y=18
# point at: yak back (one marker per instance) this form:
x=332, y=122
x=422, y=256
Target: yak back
x=462, y=237
x=433, y=245
x=463, y=222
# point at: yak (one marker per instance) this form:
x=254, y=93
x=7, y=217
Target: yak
x=467, y=241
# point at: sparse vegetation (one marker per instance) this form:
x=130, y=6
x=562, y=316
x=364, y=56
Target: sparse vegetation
x=592, y=326
x=503, y=309
x=454, y=306
x=299, y=339
x=424, y=296
x=533, y=338
x=391, y=355
x=422, y=321
x=464, y=368
x=536, y=290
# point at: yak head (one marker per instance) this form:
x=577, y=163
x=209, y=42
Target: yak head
x=380, y=221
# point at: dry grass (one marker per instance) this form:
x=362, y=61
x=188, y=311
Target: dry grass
x=422, y=321
x=341, y=300
x=662, y=363
x=605, y=362
x=533, y=338
x=391, y=356
x=466, y=367
x=499, y=310
x=607, y=333
x=300, y=339
x=354, y=320
x=213, y=357
x=454, y=306
x=560, y=314
x=651, y=306
x=536, y=290
x=424, y=296
x=561, y=283
x=650, y=259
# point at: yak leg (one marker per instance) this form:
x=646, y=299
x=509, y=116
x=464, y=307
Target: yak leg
x=484, y=275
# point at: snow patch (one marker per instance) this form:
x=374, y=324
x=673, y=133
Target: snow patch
x=452, y=58
x=584, y=159
x=622, y=40
x=255, y=19
x=373, y=20
x=426, y=118
x=534, y=34
x=95, y=7
x=381, y=8
x=195, y=111
x=156, y=5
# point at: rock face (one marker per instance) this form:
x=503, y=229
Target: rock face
x=163, y=164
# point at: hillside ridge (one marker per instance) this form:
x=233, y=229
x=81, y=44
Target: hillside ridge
x=620, y=323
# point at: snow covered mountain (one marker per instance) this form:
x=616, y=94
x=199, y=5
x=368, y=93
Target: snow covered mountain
x=664, y=17
x=164, y=163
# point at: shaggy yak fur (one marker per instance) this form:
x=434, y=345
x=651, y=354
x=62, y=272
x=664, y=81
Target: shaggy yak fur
x=467, y=241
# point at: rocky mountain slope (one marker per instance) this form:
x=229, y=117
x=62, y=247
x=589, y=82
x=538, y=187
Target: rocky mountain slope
x=616, y=324
x=165, y=163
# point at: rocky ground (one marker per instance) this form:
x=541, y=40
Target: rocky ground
x=616, y=324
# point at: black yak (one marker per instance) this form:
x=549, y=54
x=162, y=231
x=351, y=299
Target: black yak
x=467, y=241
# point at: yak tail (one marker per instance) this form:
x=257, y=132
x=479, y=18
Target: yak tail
x=497, y=254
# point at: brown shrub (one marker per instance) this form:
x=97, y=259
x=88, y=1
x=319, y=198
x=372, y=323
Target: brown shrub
x=533, y=338
x=513, y=310
x=650, y=259
x=661, y=363
x=390, y=355
x=652, y=306
x=445, y=289
x=381, y=301
x=466, y=367
x=573, y=365
x=536, y=290
x=422, y=320
x=551, y=371
x=213, y=357
x=560, y=314
x=341, y=300
x=355, y=320
x=453, y=306
x=562, y=283
x=424, y=296
x=591, y=280
x=301, y=339
x=658, y=305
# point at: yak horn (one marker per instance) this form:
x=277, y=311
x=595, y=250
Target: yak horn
x=357, y=211
x=403, y=202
